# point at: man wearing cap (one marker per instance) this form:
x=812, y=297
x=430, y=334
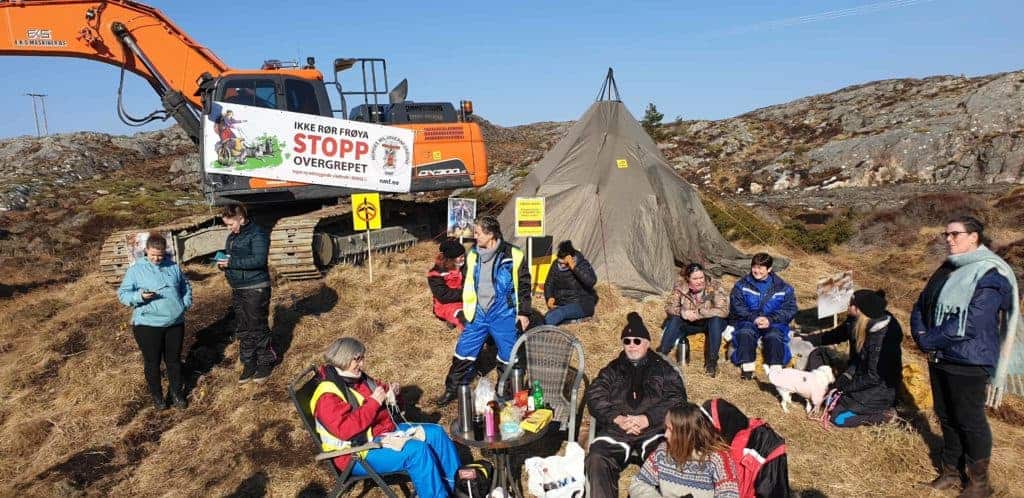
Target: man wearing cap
x=869, y=384
x=629, y=400
x=495, y=302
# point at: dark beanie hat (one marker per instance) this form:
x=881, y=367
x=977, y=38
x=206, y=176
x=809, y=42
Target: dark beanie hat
x=635, y=327
x=871, y=303
x=452, y=249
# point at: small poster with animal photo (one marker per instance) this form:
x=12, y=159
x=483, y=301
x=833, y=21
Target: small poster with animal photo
x=834, y=294
x=461, y=213
x=136, y=244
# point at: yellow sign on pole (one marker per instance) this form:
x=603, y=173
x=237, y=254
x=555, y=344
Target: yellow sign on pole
x=366, y=211
x=529, y=217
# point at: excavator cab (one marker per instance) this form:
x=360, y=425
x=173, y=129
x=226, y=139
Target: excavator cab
x=387, y=107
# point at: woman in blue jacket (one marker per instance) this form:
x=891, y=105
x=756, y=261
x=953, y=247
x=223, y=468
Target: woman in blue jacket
x=966, y=309
x=158, y=293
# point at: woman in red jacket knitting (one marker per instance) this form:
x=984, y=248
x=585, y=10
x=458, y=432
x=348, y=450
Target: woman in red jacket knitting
x=445, y=280
x=350, y=410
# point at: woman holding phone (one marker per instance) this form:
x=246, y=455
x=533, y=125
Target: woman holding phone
x=158, y=293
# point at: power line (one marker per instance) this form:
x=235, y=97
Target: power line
x=42, y=104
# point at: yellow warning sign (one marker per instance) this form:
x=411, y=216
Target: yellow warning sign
x=435, y=155
x=622, y=163
x=366, y=211
x=529, y=217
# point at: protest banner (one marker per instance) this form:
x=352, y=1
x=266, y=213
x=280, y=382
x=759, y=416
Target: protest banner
x=295, y=147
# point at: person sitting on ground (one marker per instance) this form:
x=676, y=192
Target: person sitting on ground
x=697, y=304
x=628, y=400
x=445, y=280
x=761, y=306
x=759, y=451
x=159, y=294
x=350, y=410
x=874, y=372
x=569, y=289
x=693, y=461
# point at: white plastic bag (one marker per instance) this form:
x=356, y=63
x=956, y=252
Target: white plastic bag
x=483, y=394
x=556, y=476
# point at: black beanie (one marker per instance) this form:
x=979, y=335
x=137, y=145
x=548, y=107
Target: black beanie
x=635, y=327
x=871, y=303
x=451, y=248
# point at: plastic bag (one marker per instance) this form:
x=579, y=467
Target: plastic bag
x=556, y=476
x=483, y=394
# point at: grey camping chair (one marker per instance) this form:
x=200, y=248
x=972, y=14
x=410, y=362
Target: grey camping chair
x=592, y=430
x=301, y=390
x=548, y=357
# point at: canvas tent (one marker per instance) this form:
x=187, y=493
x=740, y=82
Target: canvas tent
x=609, y=190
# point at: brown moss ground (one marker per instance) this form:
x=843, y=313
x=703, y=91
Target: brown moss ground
x=74, y=416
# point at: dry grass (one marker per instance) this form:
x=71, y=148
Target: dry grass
x=74, y=416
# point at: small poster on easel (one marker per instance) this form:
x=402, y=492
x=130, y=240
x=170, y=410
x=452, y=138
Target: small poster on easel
x=834, y=294
x=461, y=213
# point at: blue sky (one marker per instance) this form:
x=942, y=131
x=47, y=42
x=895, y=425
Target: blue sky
x=529, y=61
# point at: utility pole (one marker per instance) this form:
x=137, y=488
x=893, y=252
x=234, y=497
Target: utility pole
x=35, y=113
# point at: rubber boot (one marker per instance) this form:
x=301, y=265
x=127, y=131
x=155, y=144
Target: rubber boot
x=459, y=373
x=977, y=480
x=949, y=476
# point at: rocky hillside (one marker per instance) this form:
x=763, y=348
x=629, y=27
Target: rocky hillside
x=942, y=130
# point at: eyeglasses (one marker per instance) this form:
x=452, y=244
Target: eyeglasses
x=636, y=341
x=358, y=358
x=953, y=234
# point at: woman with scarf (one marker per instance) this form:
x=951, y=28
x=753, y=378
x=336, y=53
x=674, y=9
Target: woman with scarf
x=868, y=385
x=350, y=410
x=966, y=319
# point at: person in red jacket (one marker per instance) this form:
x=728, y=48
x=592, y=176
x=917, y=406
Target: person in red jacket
x=350, y=410
x=445, y=280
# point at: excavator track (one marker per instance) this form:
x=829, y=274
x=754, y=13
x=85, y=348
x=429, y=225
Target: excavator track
x=116, y=253
x=302, y=247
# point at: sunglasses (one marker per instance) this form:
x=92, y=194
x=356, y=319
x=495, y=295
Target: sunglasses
x=636, y=341
x=953, y=234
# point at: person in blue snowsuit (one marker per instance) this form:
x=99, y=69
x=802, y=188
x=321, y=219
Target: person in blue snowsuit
x=495, y=302
x=761, y=306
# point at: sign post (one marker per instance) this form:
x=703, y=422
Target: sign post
x=529, y=224
x=366, y=216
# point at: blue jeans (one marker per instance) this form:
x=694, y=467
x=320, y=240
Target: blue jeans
x=564, y=313
x=677, y=328
x=431, y=464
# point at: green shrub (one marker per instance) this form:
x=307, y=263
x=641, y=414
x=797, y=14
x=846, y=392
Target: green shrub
x=837, y=231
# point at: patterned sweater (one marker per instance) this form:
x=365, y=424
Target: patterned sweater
x=661, y=476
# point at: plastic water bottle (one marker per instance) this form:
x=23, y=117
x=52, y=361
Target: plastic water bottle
x=538, y=395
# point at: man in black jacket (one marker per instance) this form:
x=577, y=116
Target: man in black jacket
x=247, y=247
x=569, y=288
x=629, y=400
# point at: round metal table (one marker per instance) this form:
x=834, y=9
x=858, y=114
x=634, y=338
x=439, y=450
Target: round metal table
x=502, y=450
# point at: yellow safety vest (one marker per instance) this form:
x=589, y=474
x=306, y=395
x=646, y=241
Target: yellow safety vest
x=469, y=288
x=328, y=441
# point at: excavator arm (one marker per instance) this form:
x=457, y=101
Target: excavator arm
x=123, y=33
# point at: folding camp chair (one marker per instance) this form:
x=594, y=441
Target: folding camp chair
x=592, y=430
x=549, y=353
x=301, y=391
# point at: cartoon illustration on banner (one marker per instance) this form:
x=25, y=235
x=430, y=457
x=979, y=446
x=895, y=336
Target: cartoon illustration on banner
x=461, y=213
x=296, y=147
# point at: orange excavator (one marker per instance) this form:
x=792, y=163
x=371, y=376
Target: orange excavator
x=309, y=223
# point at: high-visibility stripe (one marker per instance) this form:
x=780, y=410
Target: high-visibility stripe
x=328, y=441
x=469, y=297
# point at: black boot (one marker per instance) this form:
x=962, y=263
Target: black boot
x=949, y=477
x=977, y=480
x=178, y=399
x=158, y=401
x=459, y=373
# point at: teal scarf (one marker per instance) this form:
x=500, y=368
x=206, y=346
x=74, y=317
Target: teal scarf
x=955, y=298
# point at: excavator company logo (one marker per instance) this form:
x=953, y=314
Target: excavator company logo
x=38, y=37
x=446, y=168
x=393, y=151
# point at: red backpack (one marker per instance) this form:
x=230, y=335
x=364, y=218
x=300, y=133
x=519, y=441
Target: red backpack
x=748, y=461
